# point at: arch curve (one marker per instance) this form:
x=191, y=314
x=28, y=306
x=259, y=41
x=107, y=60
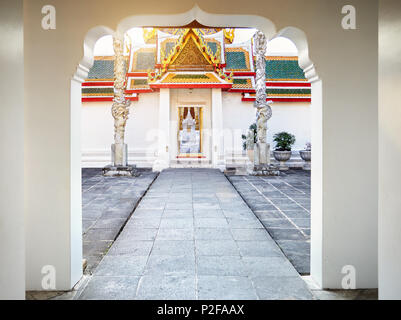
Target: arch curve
x=91, y=37
x=298, y=37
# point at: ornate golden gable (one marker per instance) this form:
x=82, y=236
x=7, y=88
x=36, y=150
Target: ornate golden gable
x=190, y=58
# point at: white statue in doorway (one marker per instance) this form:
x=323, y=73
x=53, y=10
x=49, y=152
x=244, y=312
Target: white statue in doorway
x=188, y=139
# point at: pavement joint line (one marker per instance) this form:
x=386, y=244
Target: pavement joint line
x=292, y=222
x=288, y=196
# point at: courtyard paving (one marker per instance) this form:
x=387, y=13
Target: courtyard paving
x=192, y=236
x=107, y=203
x=282, y=204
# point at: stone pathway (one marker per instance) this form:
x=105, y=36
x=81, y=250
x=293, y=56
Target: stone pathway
x=193, y=237
x=282, y=203
x=107, y=203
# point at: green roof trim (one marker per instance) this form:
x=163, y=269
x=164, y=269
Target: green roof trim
x=145, y=61
x=98, y=90
x=240, y=81
x=102, y=69
x=140, y=82
x=190, y=76
x=283, y=69
x=235, y=60
x=288, y=91
x=212, y=46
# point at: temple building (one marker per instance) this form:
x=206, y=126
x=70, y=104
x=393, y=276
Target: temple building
x=192, y=95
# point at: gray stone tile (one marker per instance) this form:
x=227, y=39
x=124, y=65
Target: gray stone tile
x=178, y=205
x=277, y=266
x=98, y=235
x=302, y=223
x=91, y=248
x=275, y=214
x=148, y=213
x=211, y=223
x=177, y=213
x=250, y=234
x=108, y=223
x=277, y=223
x=216, y=248
x=259, y=248
x=175, y=234
x=170, y=265
x=143, y=223
x=206, y=206
x=297, y=214
x=225, y=288
x=208, y=213
x=110, y=288
x=155, y=287
x=294, y=246
x=281, y=288
x=131, y=247
x=244, y=224
x=86, y=224
x=173, y=248
x=220, y=265
x=213, y=234
x=133, y=233
x=174, y=223
x=121, y=266
x=285, y=234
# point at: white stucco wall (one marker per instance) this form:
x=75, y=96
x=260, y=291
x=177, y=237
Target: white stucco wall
x=140, y=134
x=12, y=246
x=142, y=125
x=389, y=150
x=293, y=117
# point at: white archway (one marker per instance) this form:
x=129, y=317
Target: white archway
x=297, y=36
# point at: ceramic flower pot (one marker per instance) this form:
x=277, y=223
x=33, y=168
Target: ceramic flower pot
x=306, y=155
x=282, y=157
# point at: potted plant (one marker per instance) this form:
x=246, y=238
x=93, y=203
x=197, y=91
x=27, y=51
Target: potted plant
x=282, y=150
x=249, y=141
x=306, y=155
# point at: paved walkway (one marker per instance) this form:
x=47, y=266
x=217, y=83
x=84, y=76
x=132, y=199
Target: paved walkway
x=107, y=203
x=282, y=203
x=193, y=237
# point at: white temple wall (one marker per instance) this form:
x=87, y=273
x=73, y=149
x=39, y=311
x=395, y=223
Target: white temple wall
x=389, y=150
x=142, y=125
x=12, y=240
x=140, y=134
x=293, y=117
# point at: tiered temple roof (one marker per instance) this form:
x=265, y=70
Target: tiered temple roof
x=197, y=58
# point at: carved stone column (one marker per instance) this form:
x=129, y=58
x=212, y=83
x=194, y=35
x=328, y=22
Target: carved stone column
x=264, y=112
x=120, y=112
x=120, y=107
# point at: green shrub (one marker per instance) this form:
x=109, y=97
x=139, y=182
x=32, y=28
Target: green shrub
x=284, y=141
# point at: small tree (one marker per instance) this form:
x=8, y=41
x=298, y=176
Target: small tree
x=284, y=141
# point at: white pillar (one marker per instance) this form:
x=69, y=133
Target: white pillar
x=389, y=151
x=163, y=152
x=218, y=153
x=12, y=245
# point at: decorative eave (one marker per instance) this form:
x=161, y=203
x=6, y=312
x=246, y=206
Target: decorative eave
x=185, y=80
x=190, y=34
x=250, y=97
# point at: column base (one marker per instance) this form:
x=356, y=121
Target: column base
x=263, y=170
x=160, y=165
x=307, y=166
x=120, y=171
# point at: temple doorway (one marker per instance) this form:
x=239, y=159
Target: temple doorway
x=190, y=132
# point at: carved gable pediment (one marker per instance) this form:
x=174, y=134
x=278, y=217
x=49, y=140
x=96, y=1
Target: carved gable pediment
x=190, y=58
